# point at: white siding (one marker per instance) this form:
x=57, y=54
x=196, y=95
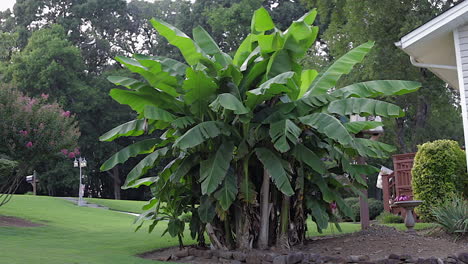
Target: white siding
x=460, y=37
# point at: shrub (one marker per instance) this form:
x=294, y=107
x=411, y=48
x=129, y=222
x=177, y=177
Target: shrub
x=375, y=208
x=439, y=170
x=389, y=218
x=452, y=216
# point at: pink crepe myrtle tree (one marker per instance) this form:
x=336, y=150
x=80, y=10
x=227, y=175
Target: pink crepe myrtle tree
x=33, y=130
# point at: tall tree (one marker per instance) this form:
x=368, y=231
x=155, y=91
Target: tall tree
x=33, y=131
x=433, y=111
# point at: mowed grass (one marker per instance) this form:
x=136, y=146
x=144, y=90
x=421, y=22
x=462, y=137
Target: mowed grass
x=119, y=205
x=74, y=234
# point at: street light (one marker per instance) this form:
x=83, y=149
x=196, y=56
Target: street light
x=80, y=163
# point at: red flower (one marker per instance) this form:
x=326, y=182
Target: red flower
x=71, y=155
x=29, y=144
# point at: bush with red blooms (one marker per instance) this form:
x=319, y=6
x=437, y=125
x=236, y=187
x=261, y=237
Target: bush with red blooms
x=34, y=129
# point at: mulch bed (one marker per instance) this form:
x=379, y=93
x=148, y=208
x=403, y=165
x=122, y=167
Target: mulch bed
x=16, y=222
x=379, y=244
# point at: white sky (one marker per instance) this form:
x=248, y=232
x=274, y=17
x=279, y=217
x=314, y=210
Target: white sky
x=5, y=4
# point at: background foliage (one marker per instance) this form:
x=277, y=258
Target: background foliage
x=78, y=39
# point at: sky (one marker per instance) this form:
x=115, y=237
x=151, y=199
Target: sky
x=5, y=4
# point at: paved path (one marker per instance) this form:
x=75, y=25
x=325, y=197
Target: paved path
x=92, y=205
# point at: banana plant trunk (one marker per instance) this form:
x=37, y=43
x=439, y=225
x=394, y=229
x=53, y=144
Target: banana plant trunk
x=283, y=239
x=264, y=211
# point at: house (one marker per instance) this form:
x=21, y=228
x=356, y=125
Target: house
x=441, y=46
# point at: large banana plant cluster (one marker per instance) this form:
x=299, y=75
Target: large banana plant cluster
x=249, y=131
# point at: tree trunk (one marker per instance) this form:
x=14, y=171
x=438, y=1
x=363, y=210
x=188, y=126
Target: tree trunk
x=264, y=211
x=400, y=133
x=215, y=241
x=115, y=175
x=227, y=229
x=273, y=232
x=283, y=239
x=243, y=217
x=243, y=236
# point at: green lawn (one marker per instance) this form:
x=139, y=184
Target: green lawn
x=74, y=234
x=119, y=205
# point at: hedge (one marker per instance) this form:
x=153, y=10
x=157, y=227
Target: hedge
x=439, y=170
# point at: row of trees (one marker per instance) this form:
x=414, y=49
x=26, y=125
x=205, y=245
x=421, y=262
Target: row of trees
x=65, y=49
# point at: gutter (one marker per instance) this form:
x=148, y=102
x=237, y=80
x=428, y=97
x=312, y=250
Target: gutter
x=435, y=66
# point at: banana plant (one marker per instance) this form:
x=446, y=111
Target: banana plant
x=255, y=140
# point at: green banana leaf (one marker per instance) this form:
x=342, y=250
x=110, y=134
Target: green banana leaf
x=228, y=192
x=133, y=128
x=214, y=169
x=143, y=166
x=274, y=165
x=364, y=107
x=342, y=66
x=141, y=147
x=200, y=133
x=329, y=126
x=284, y=132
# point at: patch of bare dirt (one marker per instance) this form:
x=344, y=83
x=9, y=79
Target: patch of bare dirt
x=16, y=222
x=378, y=243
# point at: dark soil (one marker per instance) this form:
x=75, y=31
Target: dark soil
x=378, y=242
x=16, y=222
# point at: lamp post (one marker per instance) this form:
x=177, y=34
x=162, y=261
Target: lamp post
x=80, y=163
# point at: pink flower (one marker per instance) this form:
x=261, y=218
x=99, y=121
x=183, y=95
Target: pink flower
x=77, y=151
x=333, y=205
x=29, y=144
x=66, y=114
x=64, y=151
x=45, y=96
x=402, y=198
x=71, y=155
x=23, y=132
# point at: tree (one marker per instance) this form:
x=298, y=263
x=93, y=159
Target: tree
x=33, y=131
x=233, y=126
x=433, y=112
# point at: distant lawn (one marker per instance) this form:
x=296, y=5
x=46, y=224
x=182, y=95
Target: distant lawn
x=74, y=234
x=119, y=205
x=348, y=227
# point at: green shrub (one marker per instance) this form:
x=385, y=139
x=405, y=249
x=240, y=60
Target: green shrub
x=7, y=168
x=389, y=218
x=375, y=208
x=452, y=216
x=439, y=170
